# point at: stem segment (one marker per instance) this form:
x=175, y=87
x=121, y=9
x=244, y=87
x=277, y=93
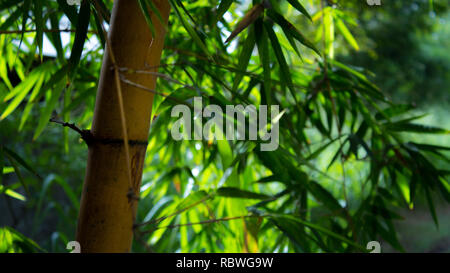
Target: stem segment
x=107, y=211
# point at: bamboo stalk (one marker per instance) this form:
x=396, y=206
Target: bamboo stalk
x=107, y=211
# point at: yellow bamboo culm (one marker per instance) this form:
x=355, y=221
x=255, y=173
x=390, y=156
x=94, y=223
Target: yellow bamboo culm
x=107, y=211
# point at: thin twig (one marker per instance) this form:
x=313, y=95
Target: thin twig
x=157, y=74
x=125, y=80
x=145, y=88
x=203, y=222
x=158, y=220
x=69, y=125
x=86, y=135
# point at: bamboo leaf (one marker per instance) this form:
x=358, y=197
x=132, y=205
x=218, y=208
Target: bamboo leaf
x=80, y=36
x=244, y=58
x=328, y=27
x=322, y=195
x=431, y=205
x=415, y=128
x=99, y=28
x=8, y=191
x=223, y=7
x=30, y=103
x=20, y=92
x=262, y=42
x=246, y=21
x=347, y=34
x=69, y=11
x=278, y=217
x=296, y=4
x=12, y=18
x=192, y=200
x=56, y=37
x=20, y=160
x=25, y=9
x=393, y=111
x=39, y=25
x=238, y=193
x=18, y=173
x=49, y=107
x=284, y=69
x=146, y=12
x=289, y=28
x=190, y=29
x=102, y=10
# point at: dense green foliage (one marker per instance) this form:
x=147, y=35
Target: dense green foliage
x=347, y=158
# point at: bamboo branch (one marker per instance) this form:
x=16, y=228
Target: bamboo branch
x=203, y=222
x=85, y=134
x=173, y=214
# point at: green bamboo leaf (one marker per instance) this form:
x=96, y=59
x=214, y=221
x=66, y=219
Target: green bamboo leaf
x=321, y=149
x=19, y=93
x=431, y=205
x=146, y=12
x=389, y=235
x=69, y=11
x=102, y=10
x=19, y=242
x=296, y=4
x=223, y=7
x=49, y=107
x=262, y=42
x=337, y=154
x=190, y=29
x=155, y=10
x=56, y=37
x=281, y=217
x=8, y=191
x=284, y=69
x=444, y=188
x=179, y=96
x=357, y=74
x=73, y=197
x=393, y=111
x=238, y=193
x=347, y=34
x=39, y=25
x=18, y=173
x=20, y=160
x=192, y=200
x=244, y=58
x=6, y=4
x=328, y=27
x=269, y=179
x=12, y=18
x=324, y=196
x=80, y=36
x=248, y=19
x=225, y=152
x=291, y=41
x=428, y=147
x=99, y=29
x=30, y=103
x=289, y=28
x=25, y=10
x=415, y=128
x=295, y=232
